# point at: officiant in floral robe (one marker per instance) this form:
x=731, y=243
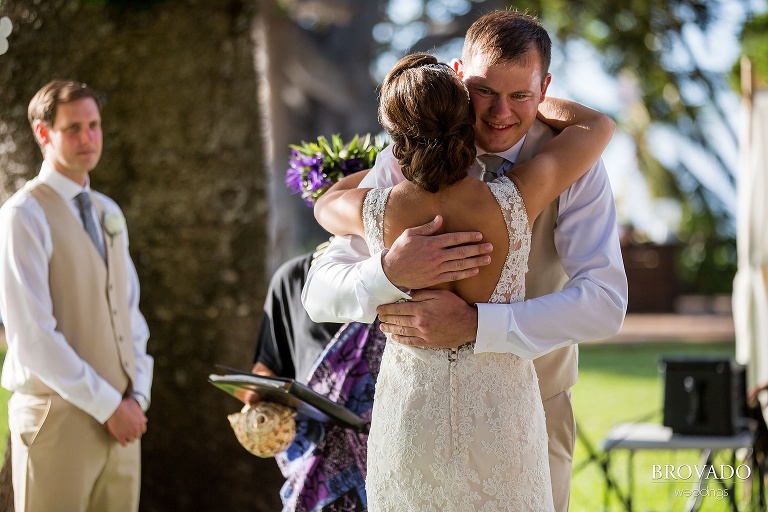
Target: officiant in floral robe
x=325, y=466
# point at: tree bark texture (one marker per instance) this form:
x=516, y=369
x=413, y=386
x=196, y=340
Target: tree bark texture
x=183, y=157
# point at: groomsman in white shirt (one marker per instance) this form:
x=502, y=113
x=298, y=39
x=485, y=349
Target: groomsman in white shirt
x=576, y=286
x=77, y=362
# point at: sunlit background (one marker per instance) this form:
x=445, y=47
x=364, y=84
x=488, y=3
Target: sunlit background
x=205, y=97
x=664, y=70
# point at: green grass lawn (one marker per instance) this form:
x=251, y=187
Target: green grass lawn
x=618, y=384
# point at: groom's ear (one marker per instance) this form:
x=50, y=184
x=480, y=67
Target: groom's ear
x=458, y=67
x=544, y=86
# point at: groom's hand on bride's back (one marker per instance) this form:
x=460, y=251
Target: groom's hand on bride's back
x=419, y=258
x=432, y=318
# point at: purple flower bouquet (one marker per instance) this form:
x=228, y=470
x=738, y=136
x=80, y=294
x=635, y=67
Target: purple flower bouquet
x=315, y=166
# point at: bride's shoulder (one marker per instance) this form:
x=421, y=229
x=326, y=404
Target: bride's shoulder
x=376, y=199
x=504, y=185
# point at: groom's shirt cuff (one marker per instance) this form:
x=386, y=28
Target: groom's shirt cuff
x=375, y=283
x=492, y=328
x=497, y=331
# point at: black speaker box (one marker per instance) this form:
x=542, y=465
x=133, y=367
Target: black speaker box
x=704, y=397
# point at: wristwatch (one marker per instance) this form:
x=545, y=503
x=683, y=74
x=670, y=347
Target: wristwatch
x=141, y=400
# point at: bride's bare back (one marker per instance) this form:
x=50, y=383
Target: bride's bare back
x=467, y=205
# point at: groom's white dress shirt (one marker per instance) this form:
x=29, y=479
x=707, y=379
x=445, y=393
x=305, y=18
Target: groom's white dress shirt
x=347, y=284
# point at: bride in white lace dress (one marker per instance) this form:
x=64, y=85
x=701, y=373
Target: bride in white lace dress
x=453, y=430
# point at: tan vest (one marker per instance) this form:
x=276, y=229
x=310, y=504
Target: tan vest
x=557, y=370
x=90, y=299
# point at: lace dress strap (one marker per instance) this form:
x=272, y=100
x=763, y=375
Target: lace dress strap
x=511, y=285
x=374, y=204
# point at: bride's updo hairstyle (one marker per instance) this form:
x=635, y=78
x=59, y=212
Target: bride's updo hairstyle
x=425, y=109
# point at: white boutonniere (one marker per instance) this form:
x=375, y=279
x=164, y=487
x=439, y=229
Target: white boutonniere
x=114, y=224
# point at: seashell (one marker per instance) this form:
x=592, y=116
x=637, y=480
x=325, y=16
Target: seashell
x=264, y=429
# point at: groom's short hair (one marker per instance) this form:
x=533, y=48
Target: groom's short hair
x=506, y=35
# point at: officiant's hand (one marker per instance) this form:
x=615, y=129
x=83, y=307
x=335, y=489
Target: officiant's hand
x=249, y=397
x=432, y=318
x=753, y=393
x=420, y=259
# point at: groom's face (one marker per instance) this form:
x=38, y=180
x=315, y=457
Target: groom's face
x=505, y=97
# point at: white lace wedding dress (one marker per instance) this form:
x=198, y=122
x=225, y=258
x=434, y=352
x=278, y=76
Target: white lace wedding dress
x=453, y=430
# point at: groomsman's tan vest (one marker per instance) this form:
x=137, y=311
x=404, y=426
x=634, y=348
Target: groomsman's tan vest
x=557, y=370
x=90, y=298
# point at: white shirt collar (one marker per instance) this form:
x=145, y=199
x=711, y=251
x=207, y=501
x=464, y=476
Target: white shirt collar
x=511, y=154
x=60, y=184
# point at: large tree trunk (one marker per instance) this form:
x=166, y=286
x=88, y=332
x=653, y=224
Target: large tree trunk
x=318, y=84
x=183, y=157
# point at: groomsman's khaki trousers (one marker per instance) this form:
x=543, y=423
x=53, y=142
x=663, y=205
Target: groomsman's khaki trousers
x=63, y=459
x=561, y=429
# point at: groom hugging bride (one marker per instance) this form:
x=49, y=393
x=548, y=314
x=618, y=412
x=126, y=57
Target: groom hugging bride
x=473, y=395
